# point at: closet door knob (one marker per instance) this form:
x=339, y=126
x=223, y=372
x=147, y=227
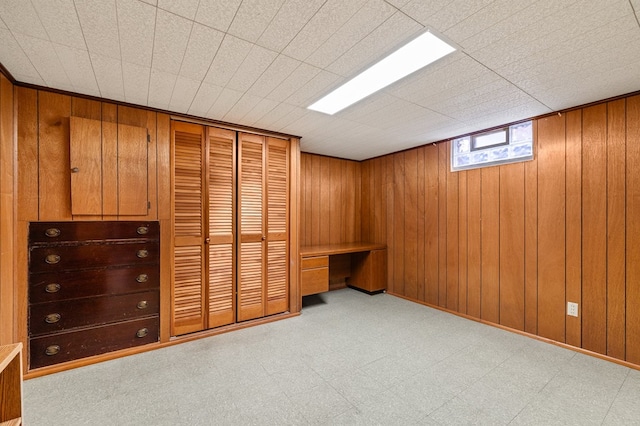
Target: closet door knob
x=75, y=170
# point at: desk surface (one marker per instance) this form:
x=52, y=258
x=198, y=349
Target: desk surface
x=344, y=248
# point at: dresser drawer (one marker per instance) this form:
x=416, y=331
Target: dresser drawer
x=57, y=232
x=62, y=285
x=44, y=259
x=67, y=346
x=57, y=316
x=313, y=281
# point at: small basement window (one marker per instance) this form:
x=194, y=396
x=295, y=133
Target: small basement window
x=507, y=145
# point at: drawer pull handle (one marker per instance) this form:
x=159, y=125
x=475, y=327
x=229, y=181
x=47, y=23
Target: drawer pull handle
x=52, y=232
x=52, y=350
x=52, y=288
x=142, y=230
x=142, y=253
x=142, y=332
x=142, y=304
x=52, y=318
x=142, y=278
x=52, y=259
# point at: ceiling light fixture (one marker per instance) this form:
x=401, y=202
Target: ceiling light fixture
x=414, y=55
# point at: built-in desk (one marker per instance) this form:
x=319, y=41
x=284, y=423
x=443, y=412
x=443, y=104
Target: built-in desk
x=368, y=266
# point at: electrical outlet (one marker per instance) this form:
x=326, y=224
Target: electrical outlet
x=572, y=309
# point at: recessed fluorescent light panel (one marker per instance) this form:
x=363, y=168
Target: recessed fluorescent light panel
x=409, y=58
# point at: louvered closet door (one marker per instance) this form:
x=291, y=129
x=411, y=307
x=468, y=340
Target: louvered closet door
x=188, y=284
x=251, y=250
x=277, y=285
x=221, y=209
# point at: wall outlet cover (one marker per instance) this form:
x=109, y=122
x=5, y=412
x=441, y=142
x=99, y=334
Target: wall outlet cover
x=572, y=309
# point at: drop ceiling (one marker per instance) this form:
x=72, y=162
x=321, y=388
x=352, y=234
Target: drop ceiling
x=260, y=63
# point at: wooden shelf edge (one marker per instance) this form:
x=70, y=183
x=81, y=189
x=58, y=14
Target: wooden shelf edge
x=8, y=353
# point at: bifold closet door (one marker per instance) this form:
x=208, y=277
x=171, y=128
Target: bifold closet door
x=188, y=283
x=204, y=221
x=263, y=246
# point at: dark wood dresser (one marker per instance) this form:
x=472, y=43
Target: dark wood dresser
x=93, y=288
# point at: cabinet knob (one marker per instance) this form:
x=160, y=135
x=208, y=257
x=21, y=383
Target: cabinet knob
x=52, y=259
x=142, y=332
x=52, y=318
x=142, y=253
x=142, y=230
x=52, y=232
x=52, y=350
x=142, y=278
x=52, y=288
x=142, y=304
x=75, y=170
x=264, y=237
x=207, y=240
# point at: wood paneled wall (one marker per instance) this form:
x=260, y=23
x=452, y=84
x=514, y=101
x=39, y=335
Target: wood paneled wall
x=513, y=244
x=329, y=199
x=7, y=213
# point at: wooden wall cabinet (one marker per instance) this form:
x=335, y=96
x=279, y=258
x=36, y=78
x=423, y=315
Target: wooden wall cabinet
x=99, y=165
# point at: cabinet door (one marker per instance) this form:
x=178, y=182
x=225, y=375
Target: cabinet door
x=85, y=154
x=89, y=163
x=277, y=285
x=251, y=265
x=188, y=302
x=221, y=211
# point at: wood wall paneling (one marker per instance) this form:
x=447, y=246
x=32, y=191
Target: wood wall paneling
x=632, y=326
x=431, y=225
x=462, y=242
x=512, y=248
x=453, y=243
x=490, y=244
x=410, y=246
x=7, y=213
x=443, y=172
x=574, y=223
x=398, y=283
x=594, y=225
x=474, y=240
x=616, y=221
x=551, y=227
x=421, y=237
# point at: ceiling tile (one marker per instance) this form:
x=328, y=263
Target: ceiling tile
x=289, y=20
x=77, y=65
x=259, y=110
x=278, y=71
x=136, y=26
x=230, y=55
x=160, y=88
x=14, y=59
x=331, y=16
x=286, y=119
x=136, y=83
x=170, y=43
x=456, y=11
x=273, y=116
x=224, y=102
x=152, y=2
x=421, y=10
x=396, y=31
x=241, y=108
x=253, y=17
x=60, y=20
x=372, y=14
x=108, y=72
x=185, y=8
x=21, y=18
x=202, y=48
x=183, y=93
x=321, y=84
x=45, y=60
x=99, y=26
x=217, y=14
x=254, y=64
x=298, y=78
x=204, y=99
